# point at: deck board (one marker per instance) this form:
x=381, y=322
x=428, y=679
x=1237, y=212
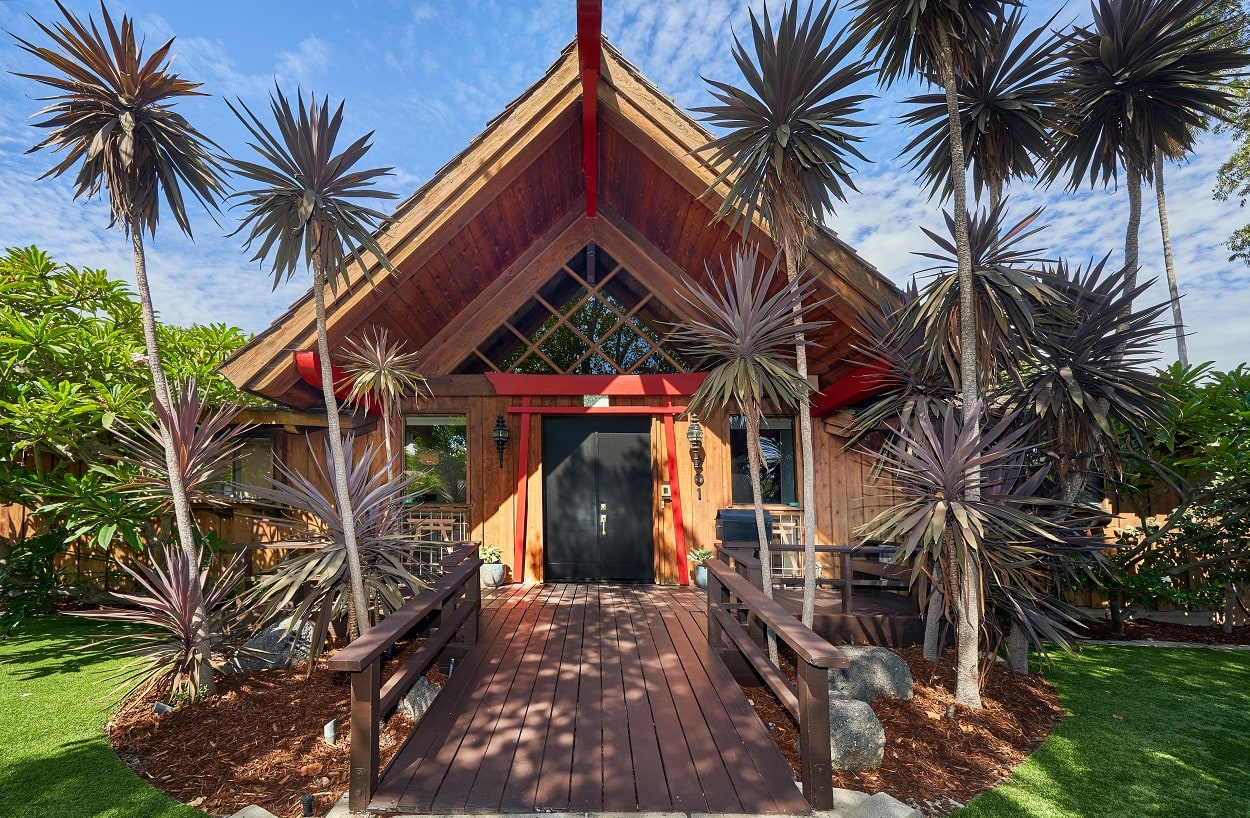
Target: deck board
x=588, y=698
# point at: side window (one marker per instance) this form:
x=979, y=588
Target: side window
x=777, y=472
x=251, y=467
x=436, y=452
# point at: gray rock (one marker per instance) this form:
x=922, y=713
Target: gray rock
x=253, y=811
x=418, y=698
x=856, y=736
x=874, y=673
x=273, y=647
x=852, y=804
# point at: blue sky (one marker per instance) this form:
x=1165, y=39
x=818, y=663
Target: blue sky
x=426, y=78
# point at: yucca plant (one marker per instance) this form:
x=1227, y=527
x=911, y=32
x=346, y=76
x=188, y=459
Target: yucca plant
x=384, y=370
x=205, y=441
x=113, y=119
x=786, y=155
x=1007, y=110
x=308, y=212
x=317, y=583
x=743, y=338
x=191, y=610
x=1146, y=77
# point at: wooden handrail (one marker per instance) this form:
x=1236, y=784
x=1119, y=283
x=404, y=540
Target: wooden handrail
x=456, y=599
x=728, y=595
x=740, y=554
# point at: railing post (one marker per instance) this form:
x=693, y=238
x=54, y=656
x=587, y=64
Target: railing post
x=815, y=751
x=715, y=596
x=364, y=736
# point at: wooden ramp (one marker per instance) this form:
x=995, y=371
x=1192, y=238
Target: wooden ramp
x=590, y=698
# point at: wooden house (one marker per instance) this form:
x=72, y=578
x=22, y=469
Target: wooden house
x=539, y=275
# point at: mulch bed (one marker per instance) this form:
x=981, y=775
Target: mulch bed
x=1139, y=630
x=260, y=740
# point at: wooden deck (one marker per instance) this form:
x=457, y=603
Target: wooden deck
x=590, y=698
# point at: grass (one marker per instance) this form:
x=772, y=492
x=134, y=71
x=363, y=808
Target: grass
x=55, y=760
x=1153, y=733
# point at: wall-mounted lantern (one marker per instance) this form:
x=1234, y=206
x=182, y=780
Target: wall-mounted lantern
x=501, y=436
x=694, y=434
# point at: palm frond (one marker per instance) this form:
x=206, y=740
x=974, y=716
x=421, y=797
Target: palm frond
x=788, y=140
x=381, y=368
x=306, y=207
x=113, y=119
x=904, y=37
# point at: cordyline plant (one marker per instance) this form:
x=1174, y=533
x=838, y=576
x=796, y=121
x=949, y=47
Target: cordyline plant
x=190, y=608
x=205, y=441
x=744, y=338
x=786, y=155
x=307, y=211
x=939, y=521
x=317, y=582
x=383, y=370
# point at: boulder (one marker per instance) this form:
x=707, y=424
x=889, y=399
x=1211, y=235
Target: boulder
x=852, y=804
x=418, y=698
x=874, y=673
x=273, y=647
x=856, y=736
x=253, y=811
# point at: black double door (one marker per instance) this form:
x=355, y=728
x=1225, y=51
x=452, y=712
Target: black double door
x=597, y=499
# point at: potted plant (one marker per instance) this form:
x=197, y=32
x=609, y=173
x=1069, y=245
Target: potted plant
x=699, y=556
x=492, y=567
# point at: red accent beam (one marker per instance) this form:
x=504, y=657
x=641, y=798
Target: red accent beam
x=308, y=364
x=672, y=386
x=679, y=525
x=522, y=497
x=863, y=383
x=599, y=410
x=589, y=53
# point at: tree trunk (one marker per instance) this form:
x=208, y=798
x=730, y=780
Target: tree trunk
x=1182, y=354
x=968, y=612
x=967, y=634
x=177, y=487
x=794, y=251
x=388, y=435
x=1115, y=607
x=757, y=495
x=1132, y=233
x=933, y=626
x=359, y=602
x=1018, y=648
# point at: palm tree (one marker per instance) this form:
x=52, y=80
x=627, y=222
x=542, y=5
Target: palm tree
x=384, y=370
x=923, y=38
x=786, y=154
x=1007, y=111
x=306, y=211
x=114, y=120
x=1144, y=78
x=745, y=334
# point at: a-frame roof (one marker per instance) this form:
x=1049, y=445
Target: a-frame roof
x=500, y=218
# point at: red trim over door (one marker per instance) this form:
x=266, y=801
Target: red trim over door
x=308, y=364
x=589, y=52
x=671, y=386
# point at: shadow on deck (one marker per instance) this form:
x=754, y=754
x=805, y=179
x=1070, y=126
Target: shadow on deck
x=590, y=698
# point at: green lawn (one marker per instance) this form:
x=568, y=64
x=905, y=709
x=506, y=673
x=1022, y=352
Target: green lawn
x=1153, y=733
x=55, y=761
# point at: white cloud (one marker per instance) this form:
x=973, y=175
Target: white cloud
x=306, y=63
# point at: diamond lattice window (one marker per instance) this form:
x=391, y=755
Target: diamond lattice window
x=591, y=318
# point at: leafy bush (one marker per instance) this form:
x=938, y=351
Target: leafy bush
x=28, y=578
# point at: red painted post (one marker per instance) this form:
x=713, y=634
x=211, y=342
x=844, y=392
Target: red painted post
x=679, y=526
x=522, y=496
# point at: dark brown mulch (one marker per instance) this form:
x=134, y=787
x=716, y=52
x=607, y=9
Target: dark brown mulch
x=931, y=760
x=259, y=741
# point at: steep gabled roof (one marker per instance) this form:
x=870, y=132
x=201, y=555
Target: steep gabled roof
x=500, y=218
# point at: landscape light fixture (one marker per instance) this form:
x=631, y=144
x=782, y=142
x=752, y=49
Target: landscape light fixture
x=694, y=434
x=501, y=436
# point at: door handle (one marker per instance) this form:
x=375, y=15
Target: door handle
x=603, y=525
